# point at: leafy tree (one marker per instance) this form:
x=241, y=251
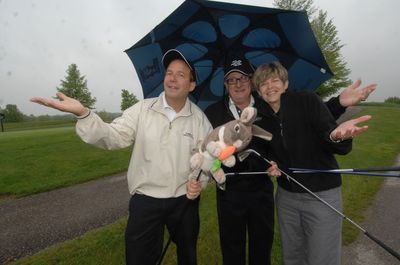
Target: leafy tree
x=326, y=34
x=128, y=99
x=12, y=113
x=75, y=86
x=394, y=100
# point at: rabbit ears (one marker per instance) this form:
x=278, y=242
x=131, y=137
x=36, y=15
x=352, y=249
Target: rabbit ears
x=248, y=116
x=261, y=133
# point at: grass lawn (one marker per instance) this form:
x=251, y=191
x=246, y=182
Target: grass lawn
x=39, y=160
x=377, y=148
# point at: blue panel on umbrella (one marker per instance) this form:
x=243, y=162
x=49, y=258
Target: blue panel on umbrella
x=262, y=38
x=305, y=76
x=148, y=68
x=299, y=33
x=259, y=57
x=200, y=31
x=217, y=81
x=192, y=51
x=203, y=70
x=232, y=25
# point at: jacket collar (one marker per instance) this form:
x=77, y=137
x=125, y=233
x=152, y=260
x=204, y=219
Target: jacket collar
x=158, y=105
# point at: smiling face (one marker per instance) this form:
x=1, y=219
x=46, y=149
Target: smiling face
x=239, y=88
x=178, y=82
x=271, y=90
x=271, y=81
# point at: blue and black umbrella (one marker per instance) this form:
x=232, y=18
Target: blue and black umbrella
x=209, y=32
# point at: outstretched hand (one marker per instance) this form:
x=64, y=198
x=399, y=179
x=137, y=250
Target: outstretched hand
x=353, y=94
x=65, y=104
x=349, y=129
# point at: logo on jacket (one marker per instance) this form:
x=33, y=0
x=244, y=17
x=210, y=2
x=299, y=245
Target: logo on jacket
x=188, y=134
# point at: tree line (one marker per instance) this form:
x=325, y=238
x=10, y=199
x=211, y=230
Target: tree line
x=74, y=85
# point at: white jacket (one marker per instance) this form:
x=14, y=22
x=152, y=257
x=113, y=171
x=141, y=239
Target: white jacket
x=159, y=166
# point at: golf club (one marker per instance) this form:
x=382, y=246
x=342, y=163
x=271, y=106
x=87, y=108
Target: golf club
x=352, y=169
x=243, y=155
x=334, y=171
x=318, y=171
x=176, y=228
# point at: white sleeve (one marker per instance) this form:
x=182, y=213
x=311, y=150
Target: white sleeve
x=119, y=134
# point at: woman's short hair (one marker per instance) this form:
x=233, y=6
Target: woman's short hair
x=268, y=70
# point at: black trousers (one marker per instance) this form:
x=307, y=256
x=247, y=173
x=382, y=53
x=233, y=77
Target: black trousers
x=242, y=213
x=145, y=229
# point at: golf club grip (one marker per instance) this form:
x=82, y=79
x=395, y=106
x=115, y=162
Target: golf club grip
x=383, y=245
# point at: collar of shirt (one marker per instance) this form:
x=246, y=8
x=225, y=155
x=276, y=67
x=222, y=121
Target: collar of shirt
x=235, y=110
x=169, y=111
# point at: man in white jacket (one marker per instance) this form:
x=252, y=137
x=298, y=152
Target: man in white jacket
x=163, y=131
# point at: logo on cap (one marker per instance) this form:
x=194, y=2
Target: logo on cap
x=236, y=63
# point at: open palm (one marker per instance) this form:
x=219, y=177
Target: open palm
x=65, y=104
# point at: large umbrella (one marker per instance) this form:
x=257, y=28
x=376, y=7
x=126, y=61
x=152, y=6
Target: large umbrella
x=209, y=32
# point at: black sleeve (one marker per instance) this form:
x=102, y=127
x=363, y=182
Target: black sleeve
x=324, y=123
x=333, y=104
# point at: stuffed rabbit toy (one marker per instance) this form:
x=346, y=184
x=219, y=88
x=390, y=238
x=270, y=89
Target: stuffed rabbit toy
x=225, y=140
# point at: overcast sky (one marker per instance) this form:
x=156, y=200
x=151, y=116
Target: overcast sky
x=40, y=38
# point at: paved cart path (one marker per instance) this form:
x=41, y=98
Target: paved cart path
x=33, y=223
x=382, y=221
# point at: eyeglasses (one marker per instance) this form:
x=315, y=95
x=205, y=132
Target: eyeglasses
x=233, y=81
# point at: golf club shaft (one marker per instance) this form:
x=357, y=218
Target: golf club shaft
x=170, y=237
x=246, y=173
x=348, y=172
x=319, y=171
x=351, y=169
x=373, y=238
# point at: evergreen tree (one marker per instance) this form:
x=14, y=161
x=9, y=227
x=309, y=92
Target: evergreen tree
x=326, y=35
x=12, y=113
x=75, y=86
x=128, y=99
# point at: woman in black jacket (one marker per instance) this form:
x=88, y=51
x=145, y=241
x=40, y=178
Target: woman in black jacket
x=305, y=136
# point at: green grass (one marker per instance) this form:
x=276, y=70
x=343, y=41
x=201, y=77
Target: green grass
x=39, y=160
x=31, y=125
x=376, y=148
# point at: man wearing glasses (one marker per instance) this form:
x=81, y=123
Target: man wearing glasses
x=246, y=206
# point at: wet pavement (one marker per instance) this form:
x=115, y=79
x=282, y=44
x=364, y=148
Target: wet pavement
x=30, y=224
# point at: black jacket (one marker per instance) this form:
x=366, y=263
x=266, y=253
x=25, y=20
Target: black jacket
x=218, y=114
x=301, y=131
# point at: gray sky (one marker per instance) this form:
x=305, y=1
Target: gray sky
x=40, y=38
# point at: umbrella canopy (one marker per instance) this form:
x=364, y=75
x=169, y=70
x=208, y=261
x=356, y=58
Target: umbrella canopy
x=208, y=33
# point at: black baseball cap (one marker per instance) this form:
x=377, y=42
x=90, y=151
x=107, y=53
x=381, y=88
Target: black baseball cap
x=238, y=64
x=174, y=54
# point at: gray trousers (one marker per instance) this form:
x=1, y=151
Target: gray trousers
x=310, y=231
